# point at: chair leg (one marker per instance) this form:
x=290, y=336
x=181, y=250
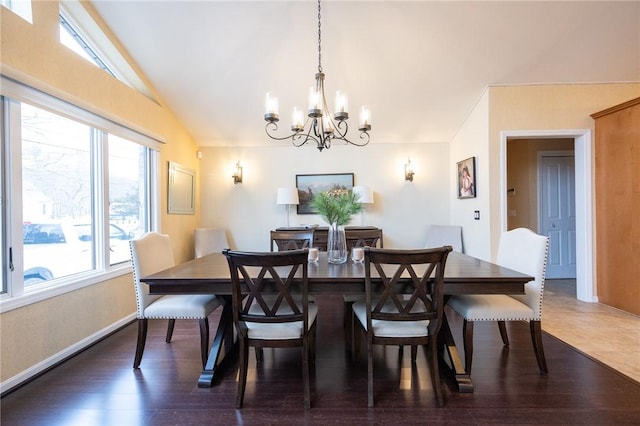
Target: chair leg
x=259, y=354
x=242, y=373
x=142, y=338
x=503, y=333
x=369, y=372
x=204, y=340
x=348, y=324
x=536, y=339
x=305, y=371
x=467, y=332
x=434, y=365
x=172, y=323
x=414, y=353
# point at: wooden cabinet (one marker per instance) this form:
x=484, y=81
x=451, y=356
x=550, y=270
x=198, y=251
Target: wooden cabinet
x=320, y=234
x=617, y=205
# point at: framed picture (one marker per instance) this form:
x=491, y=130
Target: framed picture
x=182, y=187
x=310, y=185
x=467, y=178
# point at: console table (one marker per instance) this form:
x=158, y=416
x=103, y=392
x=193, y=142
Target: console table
x=320, y=233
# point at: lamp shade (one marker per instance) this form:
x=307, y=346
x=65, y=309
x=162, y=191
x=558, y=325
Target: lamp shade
x=287, y=196
x=365, y=194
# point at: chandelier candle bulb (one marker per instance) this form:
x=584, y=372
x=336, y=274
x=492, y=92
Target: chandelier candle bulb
x=341, y=106
x=365, y=120
x=298, y=120
x=271, y=108
x=315, y=104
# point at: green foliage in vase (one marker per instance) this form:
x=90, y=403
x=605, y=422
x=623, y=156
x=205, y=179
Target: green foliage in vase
x=337, y=206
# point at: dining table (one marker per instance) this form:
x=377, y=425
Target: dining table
x=210, y=274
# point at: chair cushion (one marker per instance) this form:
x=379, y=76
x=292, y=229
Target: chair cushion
x=391, y=328
x=491, y=307
x=289, y=330
x=191, y=306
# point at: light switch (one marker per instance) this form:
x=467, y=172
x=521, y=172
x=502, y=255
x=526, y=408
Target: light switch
x=476, y=214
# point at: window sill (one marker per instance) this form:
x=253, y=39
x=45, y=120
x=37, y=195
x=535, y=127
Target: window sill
x=9, y=303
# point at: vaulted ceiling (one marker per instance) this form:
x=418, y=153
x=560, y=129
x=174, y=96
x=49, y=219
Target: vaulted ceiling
x=419, y=66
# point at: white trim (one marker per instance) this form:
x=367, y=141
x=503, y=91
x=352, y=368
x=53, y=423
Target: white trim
x=65, y=285
x=18, y=85
x=67, y=352
x=585, y=284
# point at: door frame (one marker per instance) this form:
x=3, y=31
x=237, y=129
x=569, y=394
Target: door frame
x=585, y=273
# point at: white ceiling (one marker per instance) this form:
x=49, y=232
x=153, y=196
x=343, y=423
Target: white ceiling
x=419, y=66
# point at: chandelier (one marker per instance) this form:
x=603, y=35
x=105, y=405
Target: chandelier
x=321, y=128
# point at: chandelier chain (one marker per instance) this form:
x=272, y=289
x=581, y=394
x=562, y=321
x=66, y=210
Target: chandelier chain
x=319, y=41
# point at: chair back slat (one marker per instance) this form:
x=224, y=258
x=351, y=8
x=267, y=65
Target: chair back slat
x=363, y=238
x=291, y=239
x=262, y=285
x=411, y=285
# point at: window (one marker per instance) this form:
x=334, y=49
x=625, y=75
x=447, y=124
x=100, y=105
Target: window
x=80, y=187
x=22, y=8
x=70, y=37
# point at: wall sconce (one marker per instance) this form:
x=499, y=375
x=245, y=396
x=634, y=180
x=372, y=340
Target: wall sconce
x=408, y=171
x=237, y=174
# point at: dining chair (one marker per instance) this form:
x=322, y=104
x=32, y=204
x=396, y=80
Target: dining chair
x=276, y=322
x=291, y=239
x=152, y=253
x=388, y=317
x=210, y=240
x=524, y=251
x=363, y=238
x=357, y=238
x=445, y=235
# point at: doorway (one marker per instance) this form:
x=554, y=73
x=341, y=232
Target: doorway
x=579, y=141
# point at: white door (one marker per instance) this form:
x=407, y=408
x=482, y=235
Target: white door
x=557, y=213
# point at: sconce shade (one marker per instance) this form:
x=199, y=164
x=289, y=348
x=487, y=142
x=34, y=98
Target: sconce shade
x=364, y=193
x=237, y=174
x=287, y=196
x=408, y=171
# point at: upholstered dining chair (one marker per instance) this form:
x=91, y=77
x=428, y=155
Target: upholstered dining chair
x=152, y=253
x=445, y=235
x=389, y=317
x=210, y=240
x=524, y=251
x=291, y=239
x=277, y=322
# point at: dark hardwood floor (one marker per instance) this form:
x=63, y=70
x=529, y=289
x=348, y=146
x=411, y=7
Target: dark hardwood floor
x=99, y=387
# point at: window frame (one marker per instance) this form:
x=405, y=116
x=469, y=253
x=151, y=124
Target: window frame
x=13, y=93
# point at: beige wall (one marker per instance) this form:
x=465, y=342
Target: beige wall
x=543, y=107
x=31, y=53
x=402, y=209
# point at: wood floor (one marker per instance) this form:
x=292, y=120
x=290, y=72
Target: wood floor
x=99, y=387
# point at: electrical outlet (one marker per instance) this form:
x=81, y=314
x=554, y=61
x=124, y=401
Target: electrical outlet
x=476, y=214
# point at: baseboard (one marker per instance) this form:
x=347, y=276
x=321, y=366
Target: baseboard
x=28, y=374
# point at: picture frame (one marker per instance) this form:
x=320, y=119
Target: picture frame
x=182, y=189
x=466, y=172
x=311, y=184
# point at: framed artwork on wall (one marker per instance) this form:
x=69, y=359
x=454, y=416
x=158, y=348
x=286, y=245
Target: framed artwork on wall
x=467, y=178
x=182, y=187
x=310, y=185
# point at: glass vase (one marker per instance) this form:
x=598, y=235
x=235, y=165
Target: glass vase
x=336, y=244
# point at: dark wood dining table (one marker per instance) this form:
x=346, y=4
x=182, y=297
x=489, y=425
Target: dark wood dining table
x=210, y=275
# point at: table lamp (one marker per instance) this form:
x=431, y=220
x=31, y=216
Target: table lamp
x=287, y=196
x=365, y=196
